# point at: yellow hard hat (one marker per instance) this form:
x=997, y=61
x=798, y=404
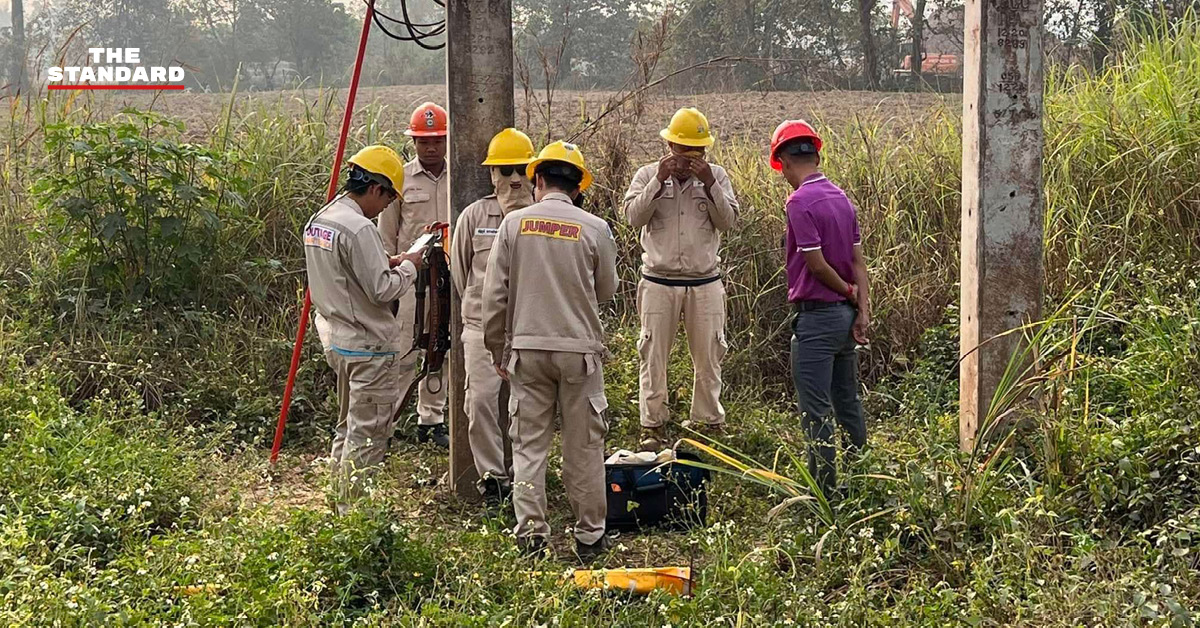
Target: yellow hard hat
x=381, y=160
x=564, y=152
x=509, y=147
x=688, y=127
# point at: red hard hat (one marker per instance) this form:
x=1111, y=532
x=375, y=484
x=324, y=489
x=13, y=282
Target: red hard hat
x=787, y=131
x=428, y=120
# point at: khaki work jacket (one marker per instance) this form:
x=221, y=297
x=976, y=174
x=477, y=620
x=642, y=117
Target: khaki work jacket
x=551, y=266
x=424, y=200
x=352, y=287
x=474, y=235
x=680, y=225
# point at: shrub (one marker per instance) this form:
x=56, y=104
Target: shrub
x=137, y=209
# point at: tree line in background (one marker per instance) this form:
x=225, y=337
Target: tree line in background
x=570, y=44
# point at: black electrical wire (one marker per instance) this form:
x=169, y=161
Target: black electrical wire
x=413, y=36
x=416, y=31
x=428, y=25
x=408, y=20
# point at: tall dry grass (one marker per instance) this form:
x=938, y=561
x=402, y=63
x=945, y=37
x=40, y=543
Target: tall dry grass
x=1121, y=180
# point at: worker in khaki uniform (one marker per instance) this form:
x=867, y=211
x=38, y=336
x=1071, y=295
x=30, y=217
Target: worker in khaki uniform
x=424, y=199
x=681, y=203
x=354, y=288
x=509, y=152
x=551, y=266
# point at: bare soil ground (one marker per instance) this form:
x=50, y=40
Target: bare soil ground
x=747, y=116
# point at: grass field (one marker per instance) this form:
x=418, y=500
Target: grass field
x=149, y=276
x=746, y=117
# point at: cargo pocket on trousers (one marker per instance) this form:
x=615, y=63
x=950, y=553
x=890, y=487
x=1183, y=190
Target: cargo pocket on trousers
x=722, y=346
x=514, y=419
x=643, y=344
x=599, y=424
x=376, y=418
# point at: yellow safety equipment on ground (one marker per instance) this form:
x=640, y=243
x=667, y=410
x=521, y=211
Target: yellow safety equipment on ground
x=688, y=127
x=509, y=147
x=564, y=152
x=381, y=160
x=637, y=581
x=677, y=580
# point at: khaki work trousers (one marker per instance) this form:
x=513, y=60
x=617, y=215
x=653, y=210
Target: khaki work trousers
x=367, y=389
x=431, y=406
x=703, y=311
x=483, y=409
x=573, y=384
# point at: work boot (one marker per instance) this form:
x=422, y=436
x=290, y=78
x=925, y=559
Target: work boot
x=495, y=494
x=534, y=547
x=436, y=434
x=711, y=431
x=589, y=554
x=654, y=439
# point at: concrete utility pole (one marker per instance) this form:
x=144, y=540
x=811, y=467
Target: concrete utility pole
x=479, y=74
x=18, y=40
x=1002, y=195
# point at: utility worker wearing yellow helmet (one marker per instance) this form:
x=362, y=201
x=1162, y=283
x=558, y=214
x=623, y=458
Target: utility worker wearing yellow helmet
x=354, y=286
x=424, y=199
x=681, y=204
x=509, y=152
x=551, y=266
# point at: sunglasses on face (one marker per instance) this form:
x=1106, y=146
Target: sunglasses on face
x=508, y=171
x=389, y=193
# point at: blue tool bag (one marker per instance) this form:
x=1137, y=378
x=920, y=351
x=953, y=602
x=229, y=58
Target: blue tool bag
x=673, y=496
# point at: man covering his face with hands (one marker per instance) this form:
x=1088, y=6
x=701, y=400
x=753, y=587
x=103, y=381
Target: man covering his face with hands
x=682, y=203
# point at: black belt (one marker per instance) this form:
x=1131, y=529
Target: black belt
x=680, y=283
x=808, y=306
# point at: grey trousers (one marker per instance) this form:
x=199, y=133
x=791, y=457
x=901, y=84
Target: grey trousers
x=572, y=384
x=703, y=312
x=367, y=396
x=483, y=409
x=825, y=373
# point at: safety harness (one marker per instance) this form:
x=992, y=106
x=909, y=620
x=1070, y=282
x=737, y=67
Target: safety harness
x=431, y=325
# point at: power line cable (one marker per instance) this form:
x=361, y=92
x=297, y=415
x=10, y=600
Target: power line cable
x=417, y=32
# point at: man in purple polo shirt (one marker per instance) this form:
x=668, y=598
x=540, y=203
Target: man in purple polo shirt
x=828, y=289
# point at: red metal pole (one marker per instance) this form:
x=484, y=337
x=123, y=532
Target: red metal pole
x=333, y=184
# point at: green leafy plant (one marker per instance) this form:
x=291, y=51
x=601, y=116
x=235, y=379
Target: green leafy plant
x=134, y=207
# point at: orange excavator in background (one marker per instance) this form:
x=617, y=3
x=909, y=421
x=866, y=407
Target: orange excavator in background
x=939, y=64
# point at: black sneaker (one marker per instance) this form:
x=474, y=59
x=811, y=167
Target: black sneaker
x=534, y=547
x=495, y=494
x=437, y=434
x=589, y=554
